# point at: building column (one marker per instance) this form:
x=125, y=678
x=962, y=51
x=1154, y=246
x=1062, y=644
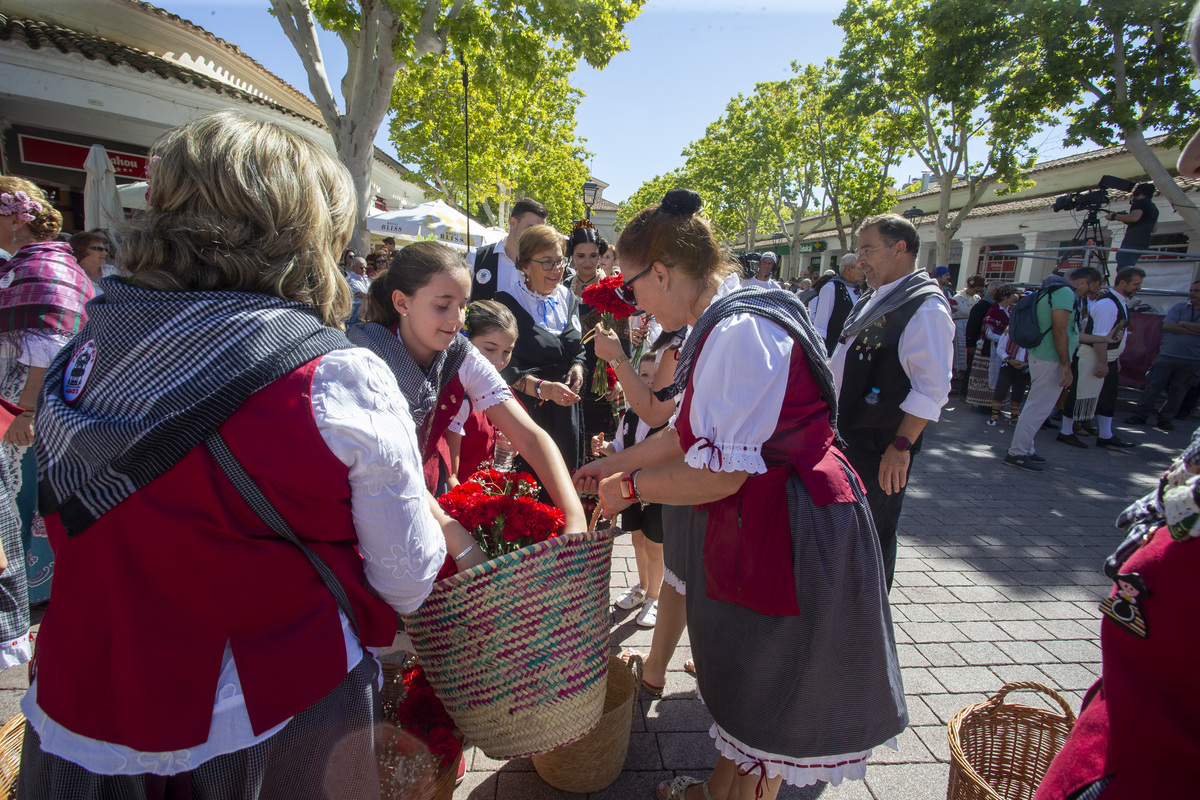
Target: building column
x=969, y=260
x=1032, y=269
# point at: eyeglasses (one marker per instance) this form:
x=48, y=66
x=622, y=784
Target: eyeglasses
x=380, y=261
x=625, y=290
x=98, y=248
x=863, y=252
x=548, y=264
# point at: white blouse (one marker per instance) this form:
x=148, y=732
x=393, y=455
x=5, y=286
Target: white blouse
x=738, y=384
x=549, y=312
x=483, y=386
x=364, y=420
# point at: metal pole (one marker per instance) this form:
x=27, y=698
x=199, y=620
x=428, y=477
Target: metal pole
x=467, y=141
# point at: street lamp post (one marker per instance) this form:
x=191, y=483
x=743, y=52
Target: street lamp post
x=591, y=191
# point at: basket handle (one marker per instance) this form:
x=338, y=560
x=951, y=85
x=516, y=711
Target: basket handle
x=595, y=518
x=638, y=669
x=1018, y=686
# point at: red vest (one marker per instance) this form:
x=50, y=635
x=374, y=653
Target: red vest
x=478, y=445
x=1141, y=722
x=748, y=540
x=145, y=599
x=436, y=453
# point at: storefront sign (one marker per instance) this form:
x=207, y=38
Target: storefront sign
x=67, y=155
x=811, y=247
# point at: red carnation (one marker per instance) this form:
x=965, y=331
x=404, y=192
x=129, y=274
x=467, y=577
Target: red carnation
x=603, y=296
x=442, y=742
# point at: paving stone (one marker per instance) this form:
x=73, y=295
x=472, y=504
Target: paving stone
x=478, y=786
x=912, y=751
x=933, y=632
x=910, y=656
x=1073, y=629
x=1020, y=673
x=909, y=781
x=944, y=706
x=916, y=612
x=981, y=653
x=964, y=612
x=643, y=752
x=941, y=655
x=982, y=631
x=687, y=751
x=677, y=715
x=633, y=784
x=934, y=739
x=530, y=785
x=1023, y=630
x=847, y=790
x=1073, y=651
x=918, y=712
x=1072, y=677
x=978, y=594
x=918, y=594
x=963, y=679
x=1027, y=653
x=920, y=680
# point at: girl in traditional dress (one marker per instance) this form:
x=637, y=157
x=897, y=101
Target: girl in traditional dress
x=583, y=247
x=786, y=602
x=986, y=366
x=416, y=315
x=472, y=437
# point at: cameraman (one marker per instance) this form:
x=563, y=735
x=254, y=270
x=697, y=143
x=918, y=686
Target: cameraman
x=1141, y=218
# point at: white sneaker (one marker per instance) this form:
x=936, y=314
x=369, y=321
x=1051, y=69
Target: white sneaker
x=631, y=599
x=648, y=615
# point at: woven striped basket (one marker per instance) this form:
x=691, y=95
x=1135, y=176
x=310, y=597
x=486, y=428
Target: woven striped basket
x=517, y=648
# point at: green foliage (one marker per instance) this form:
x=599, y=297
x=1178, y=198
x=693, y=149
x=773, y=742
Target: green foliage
x=523, y=139
x=1127, y=63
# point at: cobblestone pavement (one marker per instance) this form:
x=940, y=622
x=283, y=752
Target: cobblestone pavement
x=997, y=580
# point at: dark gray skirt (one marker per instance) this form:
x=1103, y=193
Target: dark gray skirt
x=326, y=751
x=824, y=683
x=675, y=545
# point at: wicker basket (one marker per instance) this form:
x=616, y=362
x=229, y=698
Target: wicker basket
x=516, y=648
x=596, y=760
x=12, y=735
x=442, y=787
x=1001, y=751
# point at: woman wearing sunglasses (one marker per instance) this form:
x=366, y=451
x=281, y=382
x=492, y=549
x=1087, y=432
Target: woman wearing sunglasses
x=547, y=361
x=786, y=606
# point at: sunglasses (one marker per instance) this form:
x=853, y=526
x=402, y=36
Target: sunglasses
x=625, y=290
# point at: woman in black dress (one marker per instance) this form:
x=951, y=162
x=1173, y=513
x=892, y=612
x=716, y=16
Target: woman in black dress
x=547, y=362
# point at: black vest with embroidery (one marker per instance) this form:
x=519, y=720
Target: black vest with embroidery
x=873, y=361
x=842, y=303
x=1122, y=312
x=487, y=258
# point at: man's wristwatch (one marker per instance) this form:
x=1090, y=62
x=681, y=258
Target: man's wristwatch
x=629, y=489
x=902, y=444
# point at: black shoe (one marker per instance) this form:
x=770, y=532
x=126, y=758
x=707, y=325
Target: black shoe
x=1164, y=424
x=1136, y=419
x=1084, y=429
x=1035, y=458
x=1071, y=439
x=1114, y=442
x=1022, y=462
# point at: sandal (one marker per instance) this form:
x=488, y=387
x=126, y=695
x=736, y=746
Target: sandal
x=689, y=667
x=632, y=598
x=677, y=788
x=628, y=656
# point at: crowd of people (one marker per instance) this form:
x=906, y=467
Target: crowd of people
x=257, y=508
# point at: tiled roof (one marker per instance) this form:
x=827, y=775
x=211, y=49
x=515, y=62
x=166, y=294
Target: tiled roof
x=1023, y=205
x=1055, y=163
x=38, y=34
x=194, y=28
x=604, y=205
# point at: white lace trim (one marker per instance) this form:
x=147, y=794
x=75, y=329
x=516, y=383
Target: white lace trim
x=16, y=652
x=492, y=398
x=673, y=579
x=798, y=772
x=733, y=457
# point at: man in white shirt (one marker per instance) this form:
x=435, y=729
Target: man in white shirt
x=494, y=266
x=766, y=265
x=834, y=301
x=356, y=276
x=892, y=369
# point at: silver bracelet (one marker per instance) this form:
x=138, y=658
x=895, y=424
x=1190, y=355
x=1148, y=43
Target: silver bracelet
x=463, y=554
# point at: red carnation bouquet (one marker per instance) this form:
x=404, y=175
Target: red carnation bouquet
x=404, y=764
x=501, y=511
x=603, y=296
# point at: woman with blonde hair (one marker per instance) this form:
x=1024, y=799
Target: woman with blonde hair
x=233, y=493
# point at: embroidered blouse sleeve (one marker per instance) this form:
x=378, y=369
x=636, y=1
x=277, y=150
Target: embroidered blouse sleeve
x=460, y=419
x=482, y=383
x=365, y=421
x=738, y=384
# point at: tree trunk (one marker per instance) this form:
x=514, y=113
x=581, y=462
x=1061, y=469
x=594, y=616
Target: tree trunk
x=1135, y=143
x=358, y=157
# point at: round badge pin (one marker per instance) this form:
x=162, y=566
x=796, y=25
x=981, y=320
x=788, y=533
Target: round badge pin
x=78, y=370
x=483, y=275
x=6, y=281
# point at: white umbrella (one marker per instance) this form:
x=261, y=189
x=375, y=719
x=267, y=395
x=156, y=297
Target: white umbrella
x=101, y=204
x=133, y=195
x=434, y=219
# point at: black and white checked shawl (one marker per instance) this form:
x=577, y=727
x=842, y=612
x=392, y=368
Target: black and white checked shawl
x=170, y=368
x=785, y=310
x=420, y=387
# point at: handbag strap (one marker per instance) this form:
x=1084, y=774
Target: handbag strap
x=267, y=512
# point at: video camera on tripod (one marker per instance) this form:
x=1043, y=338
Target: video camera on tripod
x=1092, y=200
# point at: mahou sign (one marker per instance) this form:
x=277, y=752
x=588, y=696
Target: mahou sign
x=68, y=155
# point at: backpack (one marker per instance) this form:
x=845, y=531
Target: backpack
x=1023, y=327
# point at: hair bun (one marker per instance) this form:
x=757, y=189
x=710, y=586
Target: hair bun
x=682, y=202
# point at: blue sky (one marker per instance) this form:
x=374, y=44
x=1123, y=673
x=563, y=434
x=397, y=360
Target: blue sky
x=686, y=59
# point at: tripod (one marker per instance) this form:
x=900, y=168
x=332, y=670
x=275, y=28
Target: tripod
x=1089, y=232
